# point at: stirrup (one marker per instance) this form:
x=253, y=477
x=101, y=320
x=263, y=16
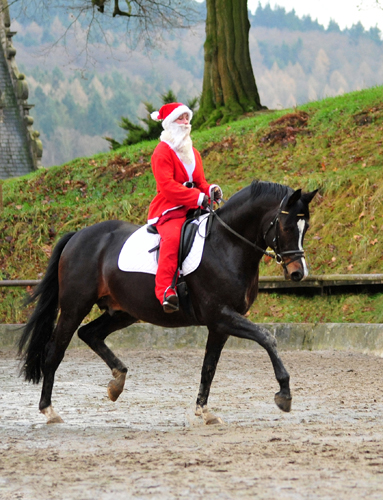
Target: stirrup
x=170, y=303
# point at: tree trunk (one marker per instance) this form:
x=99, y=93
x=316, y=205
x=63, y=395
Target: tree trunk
x=229, y=88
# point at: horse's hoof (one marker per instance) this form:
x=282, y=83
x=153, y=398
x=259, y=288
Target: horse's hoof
x=283, y=402
x=55, y=420
x=116, y=385
x=113, y=391
x=52, y=416
x=208, y=417
x=198, y=411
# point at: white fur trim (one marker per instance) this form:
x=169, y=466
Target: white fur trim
x=154, y=116
x=200, y=199
x=152, y=221
x=176, y=113
x=156, y=219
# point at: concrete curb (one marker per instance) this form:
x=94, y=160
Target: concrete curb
x=366, y=338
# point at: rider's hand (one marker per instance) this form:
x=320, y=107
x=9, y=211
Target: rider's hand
x=205, y=201
x=217, y=194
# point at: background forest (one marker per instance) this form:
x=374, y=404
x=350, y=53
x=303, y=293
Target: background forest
x=295, y=60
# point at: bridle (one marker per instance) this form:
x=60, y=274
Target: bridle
x=277, y=254
x=293, y=254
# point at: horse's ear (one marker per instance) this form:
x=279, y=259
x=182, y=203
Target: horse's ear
x=294, y=198
x=307, y=197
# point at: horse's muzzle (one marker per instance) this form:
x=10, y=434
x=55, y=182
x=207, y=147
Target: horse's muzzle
x=296, y=276
x=296, y=271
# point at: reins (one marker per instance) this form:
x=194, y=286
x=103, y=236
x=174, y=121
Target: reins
x=226, y=226
x=277, y=254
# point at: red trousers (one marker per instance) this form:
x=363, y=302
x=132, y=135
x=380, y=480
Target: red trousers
x=169, y=226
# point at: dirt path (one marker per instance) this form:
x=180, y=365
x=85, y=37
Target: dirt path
x=147, y=444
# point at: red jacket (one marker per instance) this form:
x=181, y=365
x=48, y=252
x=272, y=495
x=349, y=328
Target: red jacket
x=170, y=175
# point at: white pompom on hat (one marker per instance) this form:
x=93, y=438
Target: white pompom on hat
x=168, y=113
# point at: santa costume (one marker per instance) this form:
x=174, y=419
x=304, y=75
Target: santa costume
x=181, y=186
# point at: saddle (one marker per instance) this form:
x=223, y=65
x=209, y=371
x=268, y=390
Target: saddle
x=188, y=233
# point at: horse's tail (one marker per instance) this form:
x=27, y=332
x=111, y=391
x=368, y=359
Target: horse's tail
x=40, y=325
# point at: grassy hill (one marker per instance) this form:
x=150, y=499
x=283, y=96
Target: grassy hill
x=294, y=60
x=335, y=144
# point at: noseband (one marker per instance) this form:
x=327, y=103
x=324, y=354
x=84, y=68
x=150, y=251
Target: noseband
x=277, y=253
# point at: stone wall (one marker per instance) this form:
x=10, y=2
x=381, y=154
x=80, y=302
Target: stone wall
x=20, y=146
x=354, y=337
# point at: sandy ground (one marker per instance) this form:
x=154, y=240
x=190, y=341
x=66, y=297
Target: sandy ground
x=149, y=445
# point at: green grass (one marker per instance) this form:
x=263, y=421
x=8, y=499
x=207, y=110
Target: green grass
x=340, y=153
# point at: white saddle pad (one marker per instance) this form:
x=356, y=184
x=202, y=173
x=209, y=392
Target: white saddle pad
x=135, y=256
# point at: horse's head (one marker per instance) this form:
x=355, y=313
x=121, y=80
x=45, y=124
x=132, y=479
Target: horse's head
x=286, y=232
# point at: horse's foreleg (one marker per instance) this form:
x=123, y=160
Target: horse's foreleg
x=95, y=333
x=234, y=324
x=214, y=346
x=283, y=397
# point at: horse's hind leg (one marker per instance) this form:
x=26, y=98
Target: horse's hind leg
x=95, y=333
x=54, y=353
x=214, y=346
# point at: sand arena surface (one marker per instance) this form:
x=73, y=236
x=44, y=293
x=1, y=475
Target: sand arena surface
x=149, y=445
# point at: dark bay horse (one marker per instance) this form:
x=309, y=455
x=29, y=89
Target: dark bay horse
x=83, y=271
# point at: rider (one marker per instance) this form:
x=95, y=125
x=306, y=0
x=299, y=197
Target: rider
x=181, y=186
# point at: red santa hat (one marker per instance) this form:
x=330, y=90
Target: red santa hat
x=170, y=112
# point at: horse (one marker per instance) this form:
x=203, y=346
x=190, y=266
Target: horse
x=83, y=271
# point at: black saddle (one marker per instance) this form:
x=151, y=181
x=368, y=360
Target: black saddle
x=188, y=233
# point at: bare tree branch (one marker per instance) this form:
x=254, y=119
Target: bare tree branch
x=146, y=22
x=118, y=12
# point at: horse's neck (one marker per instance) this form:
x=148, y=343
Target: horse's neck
x=248, y=218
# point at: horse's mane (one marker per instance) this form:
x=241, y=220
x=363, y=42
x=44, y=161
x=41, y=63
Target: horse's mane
x=262, y=192
x=262, y=189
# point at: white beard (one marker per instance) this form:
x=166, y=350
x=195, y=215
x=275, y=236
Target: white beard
x=179, y=137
